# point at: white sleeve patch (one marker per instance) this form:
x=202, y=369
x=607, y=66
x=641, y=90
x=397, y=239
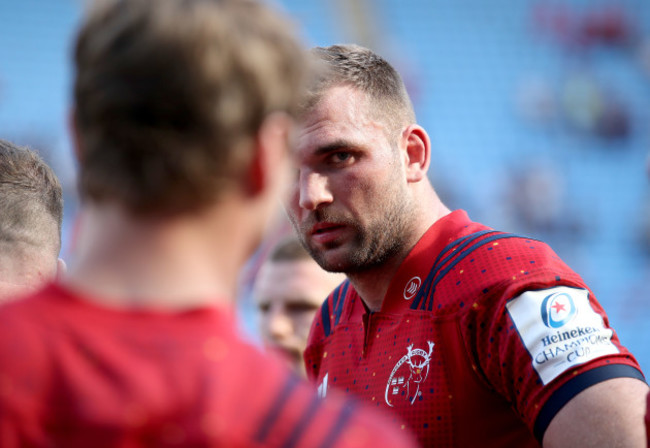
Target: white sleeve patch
x=560, y=329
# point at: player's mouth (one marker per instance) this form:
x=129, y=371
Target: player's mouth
x=290, y=355
x=325, y=233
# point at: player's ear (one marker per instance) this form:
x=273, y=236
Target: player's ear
x=268, y=164
x=61, y=268
x=417, y=152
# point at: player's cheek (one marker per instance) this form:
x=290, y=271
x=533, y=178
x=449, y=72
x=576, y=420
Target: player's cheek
x=303, y=323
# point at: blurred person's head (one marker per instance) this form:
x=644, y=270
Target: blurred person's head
x=31, y=214
x=182, y=105
x=289, y=288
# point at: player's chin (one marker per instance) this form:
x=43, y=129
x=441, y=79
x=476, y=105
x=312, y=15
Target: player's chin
x=333, y=259
x=339, y=264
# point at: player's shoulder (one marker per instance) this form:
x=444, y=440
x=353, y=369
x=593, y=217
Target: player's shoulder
x=27, y=309
x=484, y=264
x=501, y=251
x=25, y=339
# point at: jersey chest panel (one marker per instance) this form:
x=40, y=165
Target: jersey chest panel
x=413, y=365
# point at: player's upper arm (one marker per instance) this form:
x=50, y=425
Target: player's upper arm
x=607, y=414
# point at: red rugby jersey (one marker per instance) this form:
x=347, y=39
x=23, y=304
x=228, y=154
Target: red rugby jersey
x=73, y=374
x=482, y=337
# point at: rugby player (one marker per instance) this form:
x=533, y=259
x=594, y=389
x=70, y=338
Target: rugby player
x=473, y=336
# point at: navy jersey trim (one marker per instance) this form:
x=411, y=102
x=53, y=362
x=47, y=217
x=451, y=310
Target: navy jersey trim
x=464, y=254
x=342, y=292
x=273, y=414
x=437, y=273
x=461, y=242
x=461, y=256
x=338, y=298
x=304, y=421
x=325, y=317
x=576, y=385
x=339, y=425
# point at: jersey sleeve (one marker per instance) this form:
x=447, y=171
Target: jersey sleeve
x=540, y=337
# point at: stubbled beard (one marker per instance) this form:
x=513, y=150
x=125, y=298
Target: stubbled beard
x=371, y=247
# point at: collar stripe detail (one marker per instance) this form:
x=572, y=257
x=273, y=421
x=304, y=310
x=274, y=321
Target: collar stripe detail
x=342, y=293
x=462, y=243
x=459, y=250
x=464, y=254
x=325, y=317
x=337, y=297
x=437, y=265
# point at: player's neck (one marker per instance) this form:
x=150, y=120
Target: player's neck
x=170, y=264
x=372, y=285
x=10, y=291
x=24, y=269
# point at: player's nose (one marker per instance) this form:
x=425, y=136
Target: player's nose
x=314, y=191
x=279, y=325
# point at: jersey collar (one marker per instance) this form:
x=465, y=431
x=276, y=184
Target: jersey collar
x=417, y=264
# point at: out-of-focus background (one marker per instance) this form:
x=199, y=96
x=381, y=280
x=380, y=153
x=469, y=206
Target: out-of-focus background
x=538, y=110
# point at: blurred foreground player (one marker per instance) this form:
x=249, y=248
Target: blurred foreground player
x=181, y=124
x=475, y=337
x=31, y=214
x=290, y=286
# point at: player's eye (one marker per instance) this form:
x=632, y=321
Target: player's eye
x=341, y=157
x=301, y=307
x=264, y=307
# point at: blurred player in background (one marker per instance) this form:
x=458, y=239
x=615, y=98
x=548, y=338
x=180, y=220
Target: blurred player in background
x=31, y=213
x=475, y=337
x=290, y=286
x=181, y=122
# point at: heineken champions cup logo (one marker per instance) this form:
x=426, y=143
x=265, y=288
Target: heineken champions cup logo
x=557, y=310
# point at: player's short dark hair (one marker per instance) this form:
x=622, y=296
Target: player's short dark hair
x=31, y=199
x=170, y=95
x=366, y=71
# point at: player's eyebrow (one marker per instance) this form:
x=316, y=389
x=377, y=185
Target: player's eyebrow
x=335, y=145
x=299, y=301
